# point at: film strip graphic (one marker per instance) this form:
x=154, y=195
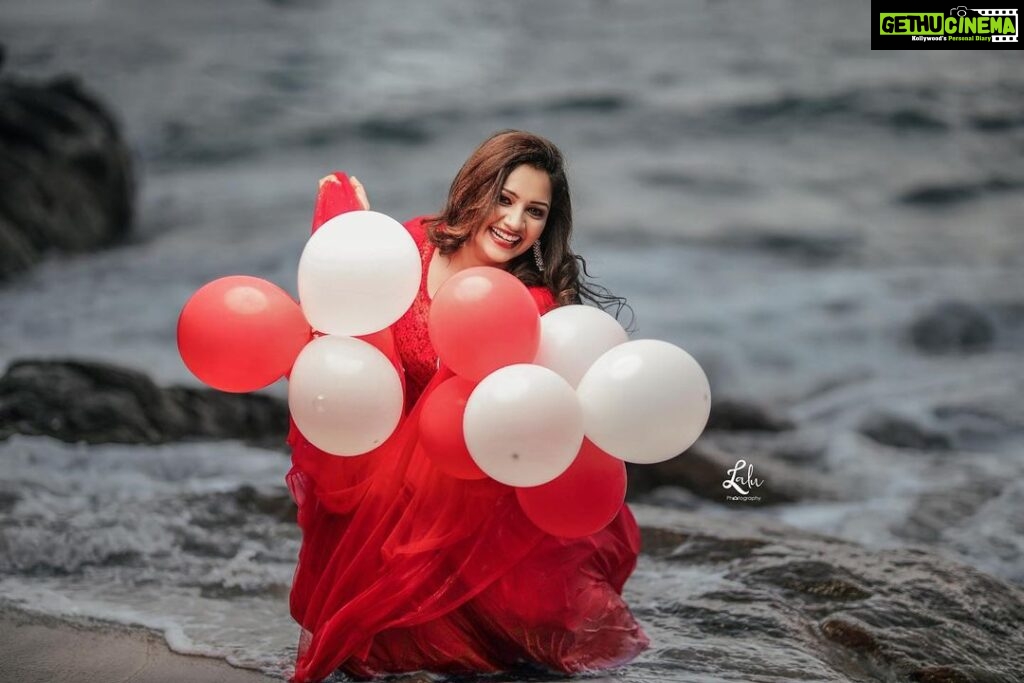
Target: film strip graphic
x=1002, y=13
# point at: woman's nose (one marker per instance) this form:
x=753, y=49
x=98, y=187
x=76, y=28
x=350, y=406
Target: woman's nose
x=514, y=218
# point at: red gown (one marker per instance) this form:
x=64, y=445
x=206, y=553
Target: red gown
x=403, y=568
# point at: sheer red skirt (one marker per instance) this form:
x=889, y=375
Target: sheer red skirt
x=403, y=568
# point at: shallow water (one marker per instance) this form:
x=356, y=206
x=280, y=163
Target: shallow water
x=769, y=195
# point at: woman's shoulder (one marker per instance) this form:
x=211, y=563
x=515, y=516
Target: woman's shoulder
x=543, y=297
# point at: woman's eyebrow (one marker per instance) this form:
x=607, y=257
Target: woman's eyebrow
x=505, y=189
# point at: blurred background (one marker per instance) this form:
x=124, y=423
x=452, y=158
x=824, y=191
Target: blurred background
x=837, y=235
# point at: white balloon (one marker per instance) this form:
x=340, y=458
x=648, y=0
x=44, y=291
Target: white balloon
x=645, y=401
x=358, y=273
x=573, y=337
x=344, y=395
x=523, y=425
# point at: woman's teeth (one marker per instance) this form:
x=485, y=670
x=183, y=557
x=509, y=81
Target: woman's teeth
x=507, y=237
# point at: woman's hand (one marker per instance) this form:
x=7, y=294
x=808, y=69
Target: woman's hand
x=357, y=186
x=360, y=192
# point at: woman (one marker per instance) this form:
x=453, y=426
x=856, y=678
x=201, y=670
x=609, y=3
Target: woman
x=404, y=568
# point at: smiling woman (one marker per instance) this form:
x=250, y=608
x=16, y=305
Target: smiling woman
x=509, y=206
x=406, y=567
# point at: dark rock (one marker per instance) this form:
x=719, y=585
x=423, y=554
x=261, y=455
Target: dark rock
x=237, y=509
x=66, y=178
x=849, y=634
x=714, y=549
x=735, y=415
x=815, y=578
x=731, y=186
x=981, y=425
x=829, y=246
x=943, y=194
x=953, y=327
x=901, y=432
x=997, y=122
x=8, y=499
x=277, y=503
x=75, y=401
x=704, y=468
x=957, y=674
x=826, y=609
x=934, y=513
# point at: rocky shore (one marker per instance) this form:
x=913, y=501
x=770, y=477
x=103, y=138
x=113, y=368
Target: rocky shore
x=66, y=175
x=817, y=608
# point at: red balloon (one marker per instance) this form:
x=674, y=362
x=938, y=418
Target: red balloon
x=441, y=436
x=483, y=319
x=582, y=500
x=241, y=333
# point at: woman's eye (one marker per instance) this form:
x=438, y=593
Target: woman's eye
x=504, y=200
x=537, y=213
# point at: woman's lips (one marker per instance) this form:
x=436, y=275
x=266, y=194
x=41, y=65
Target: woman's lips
x=497, y=237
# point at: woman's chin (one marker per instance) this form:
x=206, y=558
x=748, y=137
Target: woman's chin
x=499, y=256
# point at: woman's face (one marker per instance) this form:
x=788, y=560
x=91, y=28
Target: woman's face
x=517, y=220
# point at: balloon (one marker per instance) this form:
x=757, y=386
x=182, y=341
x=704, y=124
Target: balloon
x=240, y=333
x=645, y=401
x=523, y=425
x=441, y=435
x=358, y=273
x=582, y=500
x=482, y=319
x=573, y=337
x=344, y=395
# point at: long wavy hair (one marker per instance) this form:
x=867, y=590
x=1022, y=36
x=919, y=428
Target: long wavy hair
x=474, y=194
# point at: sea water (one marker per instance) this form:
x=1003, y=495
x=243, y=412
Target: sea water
x=767, y=192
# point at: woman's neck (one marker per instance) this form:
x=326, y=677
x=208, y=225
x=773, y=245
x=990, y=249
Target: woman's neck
x=464, y=258
x=443, y=267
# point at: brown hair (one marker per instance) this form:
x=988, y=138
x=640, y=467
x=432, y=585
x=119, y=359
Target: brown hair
x=475, y=192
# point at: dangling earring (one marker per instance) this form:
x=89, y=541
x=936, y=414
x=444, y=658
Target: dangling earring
x=537, y=257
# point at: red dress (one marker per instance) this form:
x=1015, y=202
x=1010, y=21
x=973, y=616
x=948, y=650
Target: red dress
x=403, y=568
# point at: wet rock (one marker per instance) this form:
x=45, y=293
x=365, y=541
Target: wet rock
x=276, y=504
x=715, y=549
x=744, y=598
x=935, y=513
x=942, y=194
x=953, y=327
x=239, y=507
x=849, y=634
x=74, y=400
x=979, y=425
x=8, y=499
x=66, y=179
x=823, y=246
x=704, y=469
x=736, y=415
x=901, y=432
x=815, y=578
